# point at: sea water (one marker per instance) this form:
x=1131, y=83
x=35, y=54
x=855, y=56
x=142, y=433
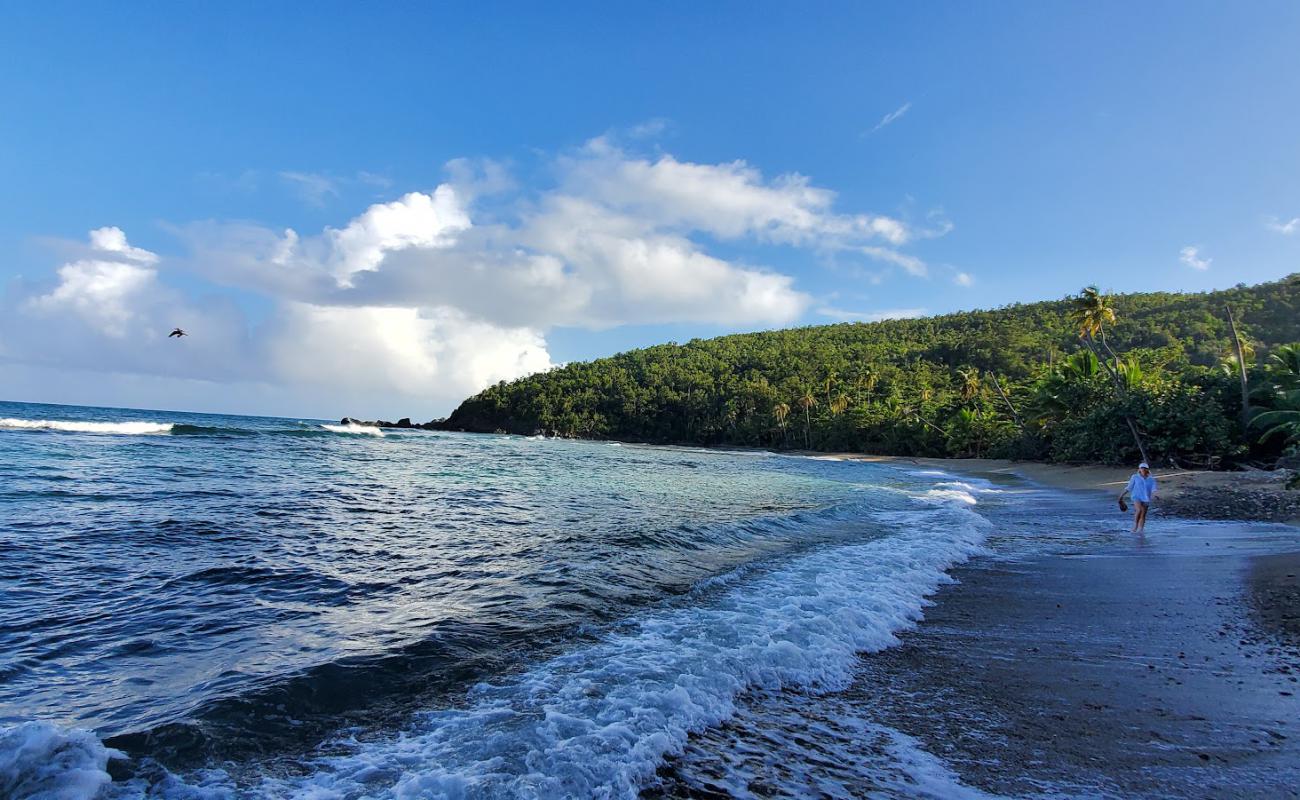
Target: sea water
x=212, y=606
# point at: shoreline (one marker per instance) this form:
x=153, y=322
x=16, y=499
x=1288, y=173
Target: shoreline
x=1246, y=496
x=1108, y=665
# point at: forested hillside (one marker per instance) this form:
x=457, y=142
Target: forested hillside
x=1066, y=380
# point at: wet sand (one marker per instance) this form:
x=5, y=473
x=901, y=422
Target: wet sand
x=1200, y=494
x=1161, y=666
x=1073, y=660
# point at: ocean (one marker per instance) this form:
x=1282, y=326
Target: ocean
x=207, y=606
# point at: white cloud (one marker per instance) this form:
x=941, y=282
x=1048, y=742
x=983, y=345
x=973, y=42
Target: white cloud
x=963, y=279
x=407, y=351
x=432, y=296
x=416, y=220
x=374, y=179
x=871, y=316
x=1191, y=256
x=311, y=187
x=99, y=291
x=892, y=116
x=1285, y=228
x=109, y=315
x=113, y=241
x=616, y=241
x=729, y=200
x=912, y=264
x=102, y=289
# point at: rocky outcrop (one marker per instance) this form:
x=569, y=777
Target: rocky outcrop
x=402, y=424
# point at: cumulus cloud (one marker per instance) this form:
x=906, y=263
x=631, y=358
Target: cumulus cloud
x=963, y=279
x=407, y=351
x=1191, y=256
x=730, y=200
x=416, y=220
x=433, y=295
x=1285, y=228
x=112, y=241
x=619, y=239
x=102, y=289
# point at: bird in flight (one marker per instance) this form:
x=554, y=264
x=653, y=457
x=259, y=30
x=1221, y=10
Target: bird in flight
x=177, y=333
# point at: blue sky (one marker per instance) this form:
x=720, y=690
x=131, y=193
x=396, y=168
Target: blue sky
x=1021, y=149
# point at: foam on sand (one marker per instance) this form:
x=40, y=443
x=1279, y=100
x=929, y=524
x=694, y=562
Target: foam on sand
x=80, y=426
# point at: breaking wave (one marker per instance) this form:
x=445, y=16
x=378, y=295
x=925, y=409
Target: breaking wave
x=39, y=760
x=365, y=430
x=79, y=426
x=600, y=720
x=142, y=428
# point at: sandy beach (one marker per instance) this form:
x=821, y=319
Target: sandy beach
x=1246, y=495
x=1162, y=666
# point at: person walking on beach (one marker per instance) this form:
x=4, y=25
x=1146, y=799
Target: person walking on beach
x=1141, y=488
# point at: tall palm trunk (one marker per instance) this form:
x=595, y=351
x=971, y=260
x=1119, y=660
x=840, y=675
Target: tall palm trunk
x=1119, y=387
x=807, y=425
x=1241, y=370
x=1014, y=414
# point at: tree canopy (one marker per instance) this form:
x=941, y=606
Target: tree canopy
x=1018, y=381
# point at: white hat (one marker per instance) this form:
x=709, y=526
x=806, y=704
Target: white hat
x=1144, y=465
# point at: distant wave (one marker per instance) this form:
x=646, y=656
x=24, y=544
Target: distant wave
x=366, y=430
x=177, y=429
x=79, y=426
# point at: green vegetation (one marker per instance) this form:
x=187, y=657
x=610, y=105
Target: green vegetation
x=1092, y=378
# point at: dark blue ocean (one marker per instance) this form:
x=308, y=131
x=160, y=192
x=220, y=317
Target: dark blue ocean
x=206, y=606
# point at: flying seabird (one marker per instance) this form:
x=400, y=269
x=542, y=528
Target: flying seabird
x=177, y=333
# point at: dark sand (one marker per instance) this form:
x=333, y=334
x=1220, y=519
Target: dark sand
x=1162, y=666
x=1074, y=660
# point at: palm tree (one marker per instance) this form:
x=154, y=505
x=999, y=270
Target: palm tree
x=807, y=402
x=1281, y=421
x=839, y=404
x=1282, y=394
x=1283, y=368
x=781, y=411
x=1015, y=415
x=1241, y=368
x=1091, y=312
x=970, y=383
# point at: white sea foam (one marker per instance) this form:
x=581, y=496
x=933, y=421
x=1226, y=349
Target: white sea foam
x=951, y=495
x=365, y=430
x=792, y=745
x=80, y=426
x=39, y=761
x=598, y=721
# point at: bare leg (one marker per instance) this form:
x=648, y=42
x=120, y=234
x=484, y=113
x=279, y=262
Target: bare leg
x=1140, y=519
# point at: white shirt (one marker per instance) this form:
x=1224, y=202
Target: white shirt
x=1141, y=489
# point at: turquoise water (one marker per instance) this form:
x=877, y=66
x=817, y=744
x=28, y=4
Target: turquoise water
x=281, y=608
